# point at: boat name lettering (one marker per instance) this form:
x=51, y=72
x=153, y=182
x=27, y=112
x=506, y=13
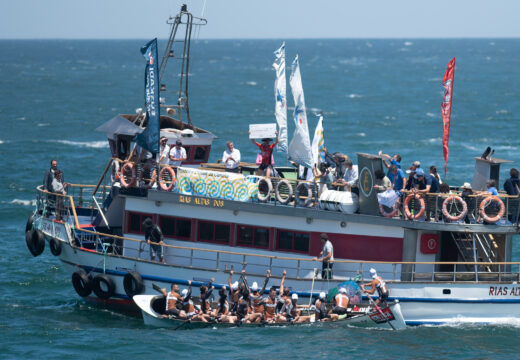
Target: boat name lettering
x=504, y=291
x=199, y=201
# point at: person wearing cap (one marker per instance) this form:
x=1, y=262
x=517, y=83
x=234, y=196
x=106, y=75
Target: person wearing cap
x=326, y=256
x=231, y=157
x=378, y=284
x=234, y=293
x=164, y=151
x=423, y=184
x=341, y=300
x=266, y=150
x=411, y=173
x=257, y=301
x=321, y=312
x=177, y=154
x=172, y=299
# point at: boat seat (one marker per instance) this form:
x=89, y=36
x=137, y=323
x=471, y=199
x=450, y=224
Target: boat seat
x=422, y=276
x=444, y=276
x=465, y=277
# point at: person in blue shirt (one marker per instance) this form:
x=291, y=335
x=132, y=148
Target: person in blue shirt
x=394, y=160
x=424, y=183
x=492, y=187
x=396, y=177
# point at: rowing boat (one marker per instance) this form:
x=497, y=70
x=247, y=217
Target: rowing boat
x=362, y=315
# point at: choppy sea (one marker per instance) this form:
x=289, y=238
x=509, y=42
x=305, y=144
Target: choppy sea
x=374, y=94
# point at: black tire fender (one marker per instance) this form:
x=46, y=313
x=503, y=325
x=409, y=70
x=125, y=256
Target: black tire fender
x=29, y=224
x=35, y=241
x=103, y=286
x=82, y=283
x=133, y=283
x=55, y=246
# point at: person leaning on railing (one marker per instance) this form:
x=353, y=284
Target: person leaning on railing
x=154, y=237
x=423, y=184
x=327, y=255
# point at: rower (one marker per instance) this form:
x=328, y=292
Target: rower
x=222, y=311
x=341, y=302
x=321, y=309
x=270, y=306
x=378, y=284
x=256, y=300
x=234, y=293
x=243, y=308
x=188, y=306
x=172, y=298
x=296, y=312
x=205, y=306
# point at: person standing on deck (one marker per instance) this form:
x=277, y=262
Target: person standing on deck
x=327, y=257
x=49, y=176
x=154, y=237
x=231, y=158
x=266, y=149
x=177, y=154
x=164, y=152
x=512, y=185
x=378, y=284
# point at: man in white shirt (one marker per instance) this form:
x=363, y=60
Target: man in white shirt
x=351, y=176
x=164, y=152
x=231, y=157
x=177, y=154
x=327, y=257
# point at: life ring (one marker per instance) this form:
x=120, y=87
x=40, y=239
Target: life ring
x=55, y=246
x=133, y=177
x=394, y=212
x=103, y=286
x=279, y=197
x=452, y=199
x=82, y=283
x=264, y=197
x=152, y=179
x=35, y=241
x=407, y=210
x=133, y=283
x=488, y=200
x=29, y=224
x=299, y=192
x=167, y=184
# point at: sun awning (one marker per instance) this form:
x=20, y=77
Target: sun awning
x=119, y=126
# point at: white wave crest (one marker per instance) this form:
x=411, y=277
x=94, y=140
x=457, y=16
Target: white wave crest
x=1, y=141
x=89, y=144
x=251, y=83
x=503, y=112
x=354, y=96
x=429, y=114
x=43, y=124
x=408, y=43
x=23, y=202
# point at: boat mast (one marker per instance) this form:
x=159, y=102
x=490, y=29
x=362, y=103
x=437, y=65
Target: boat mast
x=186, y=19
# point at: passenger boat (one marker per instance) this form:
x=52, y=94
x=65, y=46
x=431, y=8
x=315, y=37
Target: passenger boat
x=455, y=266
x=363, y=315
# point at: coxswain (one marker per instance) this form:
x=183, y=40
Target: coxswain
x=322, y=313
x=172, y=299
x=341, y=302
x=378, y=284
x=256, y=300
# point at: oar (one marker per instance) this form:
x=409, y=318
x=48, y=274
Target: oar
x=312, y=287
x=379, y=310
x=157, y=288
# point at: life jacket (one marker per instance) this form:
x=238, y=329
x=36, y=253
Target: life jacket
x=171, y=300
x=342, y=300
x=381, y=286
x=270, y=307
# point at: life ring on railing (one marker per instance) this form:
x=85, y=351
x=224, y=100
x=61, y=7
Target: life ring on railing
x=451, y=199
x=394, y=212
x=35, y=241
x=407, y=209
x=485, y=203
x=261, y=196
x=103, y=286
x=55, y=246
x=82, y=283
x=279, y=197
x=133, y=175
x=152, y=179
x=168, y=185
x=305, y=191
x=133, y=284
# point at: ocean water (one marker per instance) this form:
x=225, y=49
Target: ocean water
x=375, y=95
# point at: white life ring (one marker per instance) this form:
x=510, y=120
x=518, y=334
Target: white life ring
x=264, y=197
x=279, y=197
x=303, y=189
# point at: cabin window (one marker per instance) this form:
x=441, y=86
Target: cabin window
x=175, y=227
x=293, y=241
x=188, y=153
x=135, y=222
x=200, y=154
x=253, y=237
x=214, y=232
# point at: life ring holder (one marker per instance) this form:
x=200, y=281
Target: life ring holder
x=171, y=172
x=391, y=214
x=264, y=197
x=407, y=211
x=454, y=199
x=281, y=200
x=133, y=179
x=306, y=190
x=487, y=201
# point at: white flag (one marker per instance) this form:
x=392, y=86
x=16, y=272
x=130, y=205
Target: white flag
x=280, y=108
x=317, y=144
x=300, y=146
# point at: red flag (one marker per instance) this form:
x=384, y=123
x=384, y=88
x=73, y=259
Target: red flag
x=447, y=82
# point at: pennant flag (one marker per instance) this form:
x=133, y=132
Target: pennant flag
x=447, y=82
x=149, y=138
x=318, y=142
x=300, y=146
x=280, y=108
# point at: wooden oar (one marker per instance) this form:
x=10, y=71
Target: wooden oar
x=379, y=310
x=157, y=288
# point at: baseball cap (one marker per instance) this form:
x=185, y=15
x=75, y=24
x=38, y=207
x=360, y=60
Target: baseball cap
x=294, y=296
x=254, y=287
x=419, y=172
x=234, y=286
x=373, y=272
x=343, y=290
x=178, y=142
x=322, y=295
x=184, y=292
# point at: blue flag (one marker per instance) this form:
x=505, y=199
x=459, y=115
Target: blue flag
x=149, y=138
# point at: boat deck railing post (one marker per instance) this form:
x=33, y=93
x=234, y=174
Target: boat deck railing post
x=244, y=263
x=218, y=258
x=298, y=270
x=191, y=258
x=271, y=264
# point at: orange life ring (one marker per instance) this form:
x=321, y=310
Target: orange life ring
x=451, y=199
x=486, y=202
x=407, y=209
x=133, y=177
x=394, y=212
x=168, y=185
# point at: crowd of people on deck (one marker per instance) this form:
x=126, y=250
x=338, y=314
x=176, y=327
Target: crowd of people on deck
x=240, y=303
